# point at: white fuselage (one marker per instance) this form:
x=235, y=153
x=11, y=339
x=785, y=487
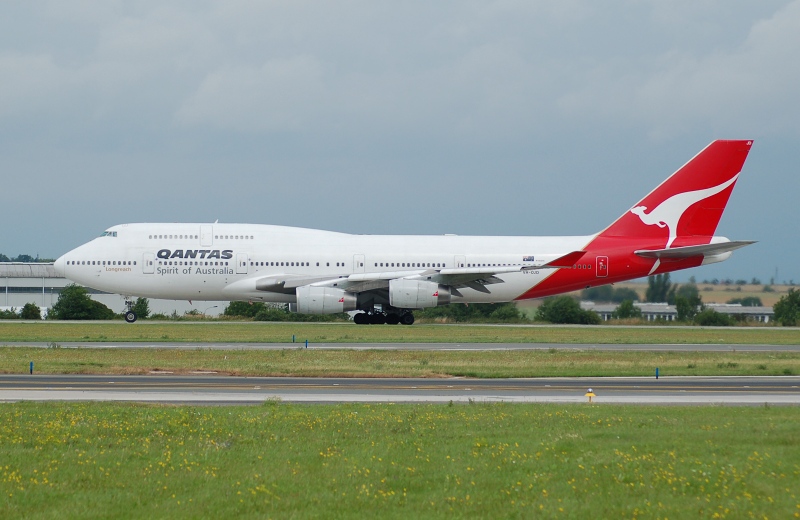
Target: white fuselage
x=223, y=261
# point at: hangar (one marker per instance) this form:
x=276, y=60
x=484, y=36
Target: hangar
x=666, y=312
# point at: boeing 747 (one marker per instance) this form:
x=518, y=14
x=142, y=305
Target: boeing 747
x=387, y=276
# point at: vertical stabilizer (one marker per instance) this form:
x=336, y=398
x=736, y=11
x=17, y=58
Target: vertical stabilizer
x=690, y=202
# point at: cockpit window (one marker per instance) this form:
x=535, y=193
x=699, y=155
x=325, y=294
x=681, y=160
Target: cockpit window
x=109, y=234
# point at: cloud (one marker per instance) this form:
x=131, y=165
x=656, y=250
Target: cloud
x=30, y=82
x=282, y=94
x=749, y=88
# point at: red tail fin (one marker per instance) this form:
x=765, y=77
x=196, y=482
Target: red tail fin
x=691, y=201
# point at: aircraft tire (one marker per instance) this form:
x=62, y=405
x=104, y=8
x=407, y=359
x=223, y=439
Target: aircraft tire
x=130, y=316
x=407, y=319
x=392, y=319
x=361, y=319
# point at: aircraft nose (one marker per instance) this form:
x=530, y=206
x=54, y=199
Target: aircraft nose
x=58, y=267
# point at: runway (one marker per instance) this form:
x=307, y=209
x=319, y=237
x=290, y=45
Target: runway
x=672, y=347
x=205, y=389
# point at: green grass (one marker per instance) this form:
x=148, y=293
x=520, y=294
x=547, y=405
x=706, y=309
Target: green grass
x=260, y=332
x=397, y=363
x=398, y=461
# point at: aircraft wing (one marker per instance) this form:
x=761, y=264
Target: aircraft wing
x=476, y=278
x=676, y=253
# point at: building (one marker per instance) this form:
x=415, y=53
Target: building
x=37, y=283
x=665, y=312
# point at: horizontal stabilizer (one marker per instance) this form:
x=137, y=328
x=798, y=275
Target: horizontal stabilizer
x=690, y=251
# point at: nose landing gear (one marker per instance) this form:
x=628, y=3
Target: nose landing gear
x=130, y=316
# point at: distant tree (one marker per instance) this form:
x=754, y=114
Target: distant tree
x=767, y=288
x=687, y=301
x=660, y=289
x=30, y=311
x=688, y=290
x=741, y=281
x=142, y=308
x=622, y=293
x=10, y=314
x=755, y=281
x=474, y=312
x=74, y=303
x=747, y=301
x=505, y=313
x=787, y=310
x=28, y=259
x=687, y=308
x=712, y=318
x=602, y=293
x=607, y=293
x=280, y=312
x=272, y=313
x=625, y=310
x=563, y=309
x=244, y=309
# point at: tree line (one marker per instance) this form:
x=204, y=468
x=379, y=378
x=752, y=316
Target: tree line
x=28, y=259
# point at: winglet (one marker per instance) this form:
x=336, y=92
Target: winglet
x=567, y=260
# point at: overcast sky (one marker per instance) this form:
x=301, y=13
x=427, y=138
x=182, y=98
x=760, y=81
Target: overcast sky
x=509, y=118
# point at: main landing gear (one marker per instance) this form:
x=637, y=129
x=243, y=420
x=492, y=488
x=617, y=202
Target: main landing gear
x=380, y=318
x=130, y=316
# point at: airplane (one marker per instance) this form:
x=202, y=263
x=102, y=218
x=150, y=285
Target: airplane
x=386, y=277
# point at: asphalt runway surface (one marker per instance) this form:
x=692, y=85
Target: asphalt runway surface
x=210, y=389
x=676, y=347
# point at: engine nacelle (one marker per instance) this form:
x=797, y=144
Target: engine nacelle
x=416, y=294
x=324, y=300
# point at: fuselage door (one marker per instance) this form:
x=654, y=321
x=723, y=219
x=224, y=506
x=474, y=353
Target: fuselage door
x=460, y=261
x=206, y=236
x=148, y=263
x=602, y=266
x=241, y=263
x=358, y=263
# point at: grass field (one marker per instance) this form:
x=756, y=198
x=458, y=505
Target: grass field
x=263, y=332
x=400, y=363
x=398, y=461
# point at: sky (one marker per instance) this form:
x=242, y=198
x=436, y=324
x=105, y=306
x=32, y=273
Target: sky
x=476, y=118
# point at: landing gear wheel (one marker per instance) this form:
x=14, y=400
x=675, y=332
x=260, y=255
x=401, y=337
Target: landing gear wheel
x=130, y=316
x=378, y=318
x=361, y=318
x=392, y=319
x=407, y=319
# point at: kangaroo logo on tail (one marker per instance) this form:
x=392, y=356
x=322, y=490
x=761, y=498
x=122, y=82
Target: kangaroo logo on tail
x=668, y=213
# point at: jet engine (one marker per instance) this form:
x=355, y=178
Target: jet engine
x=324, y=300
x=416, y=294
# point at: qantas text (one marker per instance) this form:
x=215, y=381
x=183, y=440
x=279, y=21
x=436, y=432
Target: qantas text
x=166, y=254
